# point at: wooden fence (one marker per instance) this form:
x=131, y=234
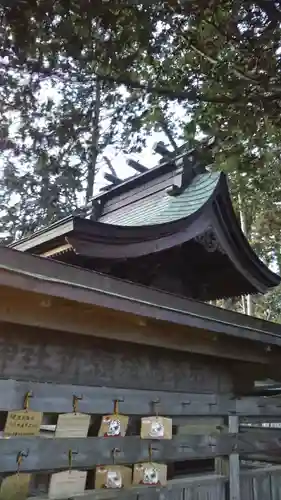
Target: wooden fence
x=205, y=426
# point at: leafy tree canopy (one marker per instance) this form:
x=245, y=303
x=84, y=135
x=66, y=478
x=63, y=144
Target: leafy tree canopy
x=229, y=50
x=121, y=71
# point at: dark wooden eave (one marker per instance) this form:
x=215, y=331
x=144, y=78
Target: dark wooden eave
x=172, y=256
x=38, y=276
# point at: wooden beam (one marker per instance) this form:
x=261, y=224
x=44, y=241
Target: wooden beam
x=162, y=150
x=113, y=179
x=43, y=276
x=138, y=167
x=43, y=311
x=52, y=454
x=200, y=425
x=254, y=406
x=188, y=488
x=58, y=398
x=45, y=355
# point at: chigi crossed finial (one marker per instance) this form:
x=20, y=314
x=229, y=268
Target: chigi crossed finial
x=191, y=161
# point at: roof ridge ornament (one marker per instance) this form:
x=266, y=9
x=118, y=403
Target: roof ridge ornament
x=191, y=163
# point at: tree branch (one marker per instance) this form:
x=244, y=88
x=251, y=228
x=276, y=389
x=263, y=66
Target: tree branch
x=165, y=127
x=237, y=72
x=193, y=96
x=269, y=8
x=91, y=174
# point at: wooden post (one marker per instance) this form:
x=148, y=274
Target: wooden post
x=222, y=463
x=234, y=465
x=230, y=466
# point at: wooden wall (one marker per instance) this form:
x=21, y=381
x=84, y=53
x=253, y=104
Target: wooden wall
x=37, y=354
x=196, y=391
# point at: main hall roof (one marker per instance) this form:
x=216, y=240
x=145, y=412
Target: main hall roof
x=172, y=227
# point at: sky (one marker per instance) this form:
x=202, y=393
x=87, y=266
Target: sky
x=118, y=159
x=147, y=158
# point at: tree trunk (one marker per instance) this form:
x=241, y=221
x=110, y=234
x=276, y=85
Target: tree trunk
x=250, y=305
x=167, y=132
x=244, y=304
x=95, y=143
x=247, y=302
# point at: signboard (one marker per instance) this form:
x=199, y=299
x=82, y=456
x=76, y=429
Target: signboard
x=156, y=428
x=64, y=484
x=23, y=423
x=114, y=425
x=15, y=487
x=74, y=425
x=150, y=474
x=113, y=477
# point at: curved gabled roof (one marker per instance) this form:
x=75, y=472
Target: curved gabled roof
x=236, y=245
x=171, y=228
x=162, y=208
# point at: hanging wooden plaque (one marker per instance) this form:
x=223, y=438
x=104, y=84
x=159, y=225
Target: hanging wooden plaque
x=156, y=428
x=113, y=477
x=15, y=487
x=114, y=425
x=63, y=484
x=74, y=425
x=23, y=423
x=150, y=474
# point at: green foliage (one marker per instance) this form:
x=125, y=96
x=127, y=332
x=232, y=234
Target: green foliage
x=199, y=67
x=49, y=148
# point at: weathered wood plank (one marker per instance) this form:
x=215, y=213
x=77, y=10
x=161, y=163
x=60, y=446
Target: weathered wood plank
x=36, y=354
x=205, y=490
x=117, y=294
x=222, y=463
x=176, y=488
x=252, y=406
x=258, y=406
x=39, y=310
x=52, y=454
x=208, y=492
x=234, y=466
x=271, y=469
x=261, y=484
x=275, y=485
x=198, y=425
x=266, y=442
x=246, y=486
x=265, y=459
x=58, y=398
x=261, y=487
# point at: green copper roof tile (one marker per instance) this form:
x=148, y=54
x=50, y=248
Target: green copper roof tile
x=161, y=208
